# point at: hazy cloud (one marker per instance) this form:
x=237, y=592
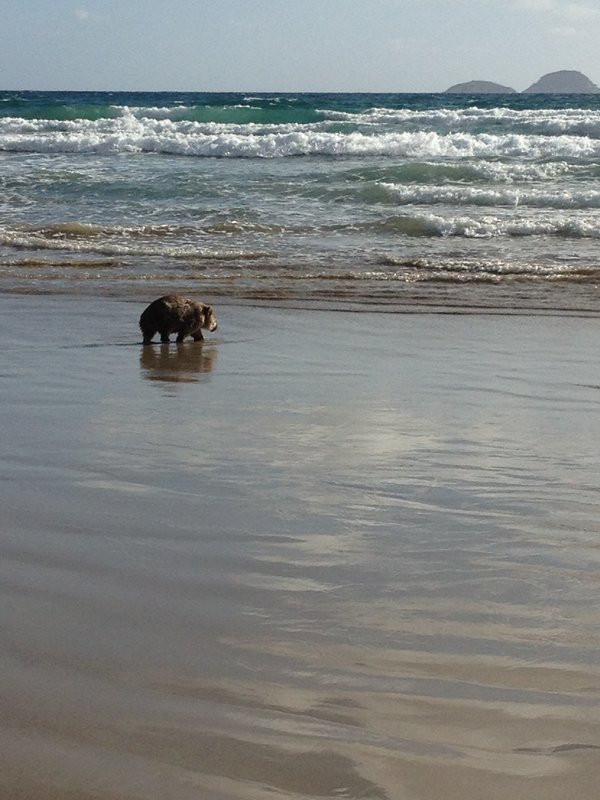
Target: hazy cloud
x=571, y=11
x=578, y=11
x=566, y=31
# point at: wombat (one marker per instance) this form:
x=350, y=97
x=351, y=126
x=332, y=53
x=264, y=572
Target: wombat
x=175, y=314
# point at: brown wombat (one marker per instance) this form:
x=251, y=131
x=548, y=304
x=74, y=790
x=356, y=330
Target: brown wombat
x=175, y=314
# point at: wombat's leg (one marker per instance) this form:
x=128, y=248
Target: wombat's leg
x=180, y=337
x=148, y=336
x=164, y=337
x=197, y=337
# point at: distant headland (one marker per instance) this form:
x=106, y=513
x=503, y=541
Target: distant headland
x=566, y=81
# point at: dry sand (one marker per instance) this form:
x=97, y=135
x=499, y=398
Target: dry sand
x=318, y=556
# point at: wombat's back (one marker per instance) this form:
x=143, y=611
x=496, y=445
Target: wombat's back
x=164, y=311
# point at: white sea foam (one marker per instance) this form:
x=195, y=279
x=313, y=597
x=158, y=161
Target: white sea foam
x=488, y=227
x=151, y=112
x=525, y=171
x=511, y=197
x=129, y=134
x=550, y=122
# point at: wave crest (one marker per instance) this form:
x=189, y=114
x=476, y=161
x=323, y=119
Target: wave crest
x=131, y=135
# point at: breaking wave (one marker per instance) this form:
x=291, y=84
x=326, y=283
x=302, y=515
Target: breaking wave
x=145, y=241
x=493, y=197
x=545, y=122
x=129, y=134
x=489, y=227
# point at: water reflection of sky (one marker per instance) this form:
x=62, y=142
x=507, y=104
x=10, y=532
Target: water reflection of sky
x=442, y=451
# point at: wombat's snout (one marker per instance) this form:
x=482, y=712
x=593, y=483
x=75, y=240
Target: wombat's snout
x=210, y=319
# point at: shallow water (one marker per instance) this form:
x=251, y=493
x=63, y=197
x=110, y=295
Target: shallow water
x=318, y=555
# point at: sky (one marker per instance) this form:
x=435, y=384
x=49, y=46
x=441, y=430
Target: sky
x=282, y=45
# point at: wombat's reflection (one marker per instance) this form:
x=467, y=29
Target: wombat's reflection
x=184, y=363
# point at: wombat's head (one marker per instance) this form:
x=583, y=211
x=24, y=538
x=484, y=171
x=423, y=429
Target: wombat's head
x=209, y=319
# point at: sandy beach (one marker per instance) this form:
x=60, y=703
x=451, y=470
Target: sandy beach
x=319, y=555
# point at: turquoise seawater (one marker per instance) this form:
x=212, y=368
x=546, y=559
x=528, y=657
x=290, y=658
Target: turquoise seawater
x=446, y=200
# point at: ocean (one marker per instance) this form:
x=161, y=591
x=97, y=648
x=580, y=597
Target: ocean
x=348, y=200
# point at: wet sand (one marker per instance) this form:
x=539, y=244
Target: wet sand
x=320, y=555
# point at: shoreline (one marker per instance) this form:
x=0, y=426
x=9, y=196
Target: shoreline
x=529, y=300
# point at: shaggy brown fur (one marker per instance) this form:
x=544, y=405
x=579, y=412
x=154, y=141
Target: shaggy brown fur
x=175, y=314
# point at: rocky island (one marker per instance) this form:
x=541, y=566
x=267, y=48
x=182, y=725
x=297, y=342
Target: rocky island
x=564, y=81
x=480, y=87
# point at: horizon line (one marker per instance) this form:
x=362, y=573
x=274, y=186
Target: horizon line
x=512, y=92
